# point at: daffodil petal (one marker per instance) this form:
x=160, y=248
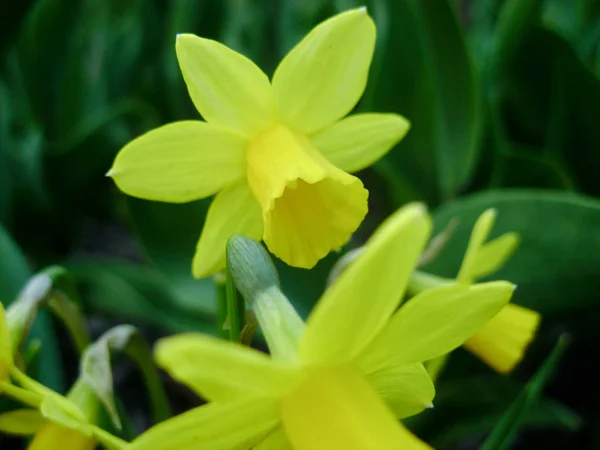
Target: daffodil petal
x=493, y=254
x=503, y=340
x=52, y=435
x=406, y=389
x=310, y=207
x=179, y=162
x=218, y=426
x=359, y=140
x=233, y=211
x=435, y=322
x=480, y=232
x=6, y=359
x=21, y=422
x=276, y=440
x=322, y=78
x=338, y=408
x=220, y=370
x=227, y=88
x=358, y=305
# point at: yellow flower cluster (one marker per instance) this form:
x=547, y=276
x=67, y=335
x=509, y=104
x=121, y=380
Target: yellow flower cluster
x=277, y=155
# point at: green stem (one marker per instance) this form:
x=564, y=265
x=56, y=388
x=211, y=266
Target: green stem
x=109, y=441
x=220, y=282
x=235, y=307
x=24, y=396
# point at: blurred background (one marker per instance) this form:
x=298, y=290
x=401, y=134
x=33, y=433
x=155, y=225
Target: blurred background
x=504, y=98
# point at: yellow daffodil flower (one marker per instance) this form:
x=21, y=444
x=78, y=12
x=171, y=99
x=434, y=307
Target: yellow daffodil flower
x=55, y=435
x=341, y=380
x=276, y=152
x=57, y=421
x=502, y=341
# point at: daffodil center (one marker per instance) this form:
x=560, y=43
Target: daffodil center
x=309, y=206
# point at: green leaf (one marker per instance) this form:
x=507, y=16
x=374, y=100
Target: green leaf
x=552, y=106
x=504, y=432
x=557, y=265
x=14, y=273
x=135, y=294
x=468, y=407
x=96, y=370
x=426, y=75
x=52, y=288
x=168, y=234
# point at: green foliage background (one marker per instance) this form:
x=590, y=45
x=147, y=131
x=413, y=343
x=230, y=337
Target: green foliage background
x=504, y=98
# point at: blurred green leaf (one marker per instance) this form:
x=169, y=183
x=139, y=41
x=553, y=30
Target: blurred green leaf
x=14, y=273
x=551, y=104
x=168, y=234
x=469, y=407
x=136, y=294
x=503, y=433
x=427, y=76
x=557, y=265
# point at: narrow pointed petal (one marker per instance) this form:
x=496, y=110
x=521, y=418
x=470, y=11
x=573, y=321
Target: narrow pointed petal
x=358, y=305
x=52, y=435
x=338, y=408
x=233, y=211
x=234, y=425
x=407, y=389
x=310, y=207
x=6, y=359
x=493, y=254
x=502, y=341
x=228, y=89
x=322, y=78
x=21, y=422
x=220, y=370
x=435, y=322
x=480, y=232
x=179, y=162
x=359, y=140
x=276, y=440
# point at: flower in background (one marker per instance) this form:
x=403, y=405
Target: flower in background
x=276, y=152
x=56, y=421
x=502, y=341
x=342, y=379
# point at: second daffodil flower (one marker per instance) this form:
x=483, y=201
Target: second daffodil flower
x=341, y=380
x=276, y=152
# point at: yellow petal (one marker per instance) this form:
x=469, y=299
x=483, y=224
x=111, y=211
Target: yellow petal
x=228, y=89
x=406, y=389
x=309, y=206
x=216, y=426
x=359, y=140
x=21, y=422
x=55, y=436
x=337, y=408
x=179, y=162
x=220, y=370
x=6, y=359
x=434, y=323
x=276, y=440
x=503, y=340
x=357, y=306
x=493, y=254
x=321, y=79
x=233, y=211
x=480, y=232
